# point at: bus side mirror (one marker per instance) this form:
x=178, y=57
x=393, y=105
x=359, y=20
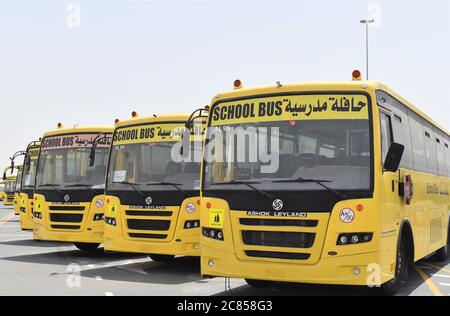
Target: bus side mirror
x=394, y=157
x=4, y=176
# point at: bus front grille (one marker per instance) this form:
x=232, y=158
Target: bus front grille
x=278, y=239
x=66, y=217
x=138, y=224
x=278, y=255
x=275, y=238
x=150, y=224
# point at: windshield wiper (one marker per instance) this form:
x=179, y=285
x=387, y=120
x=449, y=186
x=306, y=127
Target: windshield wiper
x=54, y=186
x=247, y=183
x=135, y=186
x=175, y=185
x=80, y=185
x=317, y=181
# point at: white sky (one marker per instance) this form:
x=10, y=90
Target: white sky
x=158, y=56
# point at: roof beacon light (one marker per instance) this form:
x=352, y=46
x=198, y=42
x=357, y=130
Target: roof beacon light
x=356, y=75
x=238, y=84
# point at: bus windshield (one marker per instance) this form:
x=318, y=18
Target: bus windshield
x=152, y=164
x=10, y=186
x=18, y=184
x=66, y=163
x=29, y=169
x=330, y=148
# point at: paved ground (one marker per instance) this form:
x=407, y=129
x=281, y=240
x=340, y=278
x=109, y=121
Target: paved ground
x=41, y=268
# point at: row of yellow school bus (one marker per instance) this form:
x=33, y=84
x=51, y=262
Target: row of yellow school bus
x=328, y=183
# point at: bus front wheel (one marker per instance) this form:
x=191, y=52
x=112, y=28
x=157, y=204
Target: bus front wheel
x=162, y=258
x=401, y=272
x=86, y=247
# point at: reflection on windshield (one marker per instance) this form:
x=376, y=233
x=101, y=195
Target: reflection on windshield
x=150, y=164
x=66, y=167
x=335, y=151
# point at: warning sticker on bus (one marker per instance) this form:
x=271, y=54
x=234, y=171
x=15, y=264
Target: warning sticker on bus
x=112, y=210
x=292, y=108
x=216, y=218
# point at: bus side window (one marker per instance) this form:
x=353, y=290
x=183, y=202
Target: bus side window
x=400, y=126
x=447, y=157
x=442, y=169
x=418, y=144
x=386, y=134
x=430, y=150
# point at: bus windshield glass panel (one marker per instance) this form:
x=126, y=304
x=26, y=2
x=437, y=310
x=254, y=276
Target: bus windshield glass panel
x=323, y=137
x=64, y=161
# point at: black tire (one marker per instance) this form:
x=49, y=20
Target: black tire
x=444, y=253
x=401, y=272
x=259, y=283
x=162, y=258
x=86, y=247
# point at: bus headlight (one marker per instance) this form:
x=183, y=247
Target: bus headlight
x=191, y=208
x=99, y=203
x=354, y=239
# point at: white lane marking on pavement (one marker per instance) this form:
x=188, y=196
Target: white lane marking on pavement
x=99, y=278
x=111, y=264
x=444, y=284
x=109, y=294
x=441, y=276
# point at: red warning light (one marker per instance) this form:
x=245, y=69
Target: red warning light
x=237, y=83
x=356, y=74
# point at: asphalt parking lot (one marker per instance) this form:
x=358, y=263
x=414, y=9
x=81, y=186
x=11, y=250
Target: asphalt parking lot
x=42, y=268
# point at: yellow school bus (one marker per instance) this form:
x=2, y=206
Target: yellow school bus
x=27, y=190
x=68, y=191
x=350, y=185
x=17, y=189
x=153, y=198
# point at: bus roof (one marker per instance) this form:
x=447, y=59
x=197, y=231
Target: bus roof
x=327, y=86
x=177, y=117
x=80, y=129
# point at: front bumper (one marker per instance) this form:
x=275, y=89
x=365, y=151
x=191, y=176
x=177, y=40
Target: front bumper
x=331, y=271
x=186, y=246
x=40, y=232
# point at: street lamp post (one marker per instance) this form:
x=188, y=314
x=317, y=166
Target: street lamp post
x=367, y=22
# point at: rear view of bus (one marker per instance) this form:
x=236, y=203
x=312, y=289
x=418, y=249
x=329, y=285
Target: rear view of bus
x=17, y=190
x=69, y=192
x=27, y=190
x=152, y=198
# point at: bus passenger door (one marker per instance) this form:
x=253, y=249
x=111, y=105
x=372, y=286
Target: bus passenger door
x=391, y=209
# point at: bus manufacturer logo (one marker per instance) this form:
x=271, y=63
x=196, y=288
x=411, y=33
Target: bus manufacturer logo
x=148, y=201
x=277, y=205
x=67, y=198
